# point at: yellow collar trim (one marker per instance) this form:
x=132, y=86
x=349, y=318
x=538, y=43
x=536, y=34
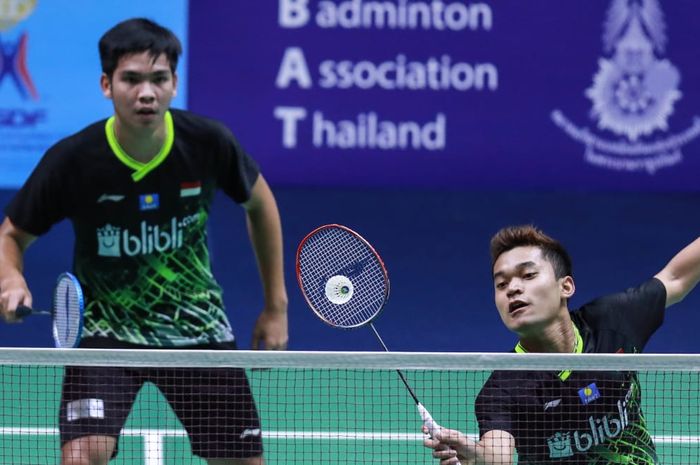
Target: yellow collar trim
x=578, y=349
x=142, y=169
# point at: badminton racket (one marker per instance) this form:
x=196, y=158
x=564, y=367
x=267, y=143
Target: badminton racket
x=66, y=311
x=345, y=283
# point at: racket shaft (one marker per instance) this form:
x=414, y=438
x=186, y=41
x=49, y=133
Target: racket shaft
x=410, y=391
x=427, y=418
x=401, y=375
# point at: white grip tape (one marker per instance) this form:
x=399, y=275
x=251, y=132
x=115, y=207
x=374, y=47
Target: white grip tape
x=428, y=422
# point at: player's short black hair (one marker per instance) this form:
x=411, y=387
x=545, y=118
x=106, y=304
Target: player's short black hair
x=529, y=236
x=138, y=35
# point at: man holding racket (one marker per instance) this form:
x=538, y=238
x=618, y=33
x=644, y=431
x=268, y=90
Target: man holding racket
x=137, y=188
x=565, y=417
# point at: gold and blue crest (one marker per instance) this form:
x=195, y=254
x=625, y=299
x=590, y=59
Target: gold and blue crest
x=149, y=202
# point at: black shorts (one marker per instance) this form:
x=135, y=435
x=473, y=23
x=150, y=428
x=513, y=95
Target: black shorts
x=215, y=405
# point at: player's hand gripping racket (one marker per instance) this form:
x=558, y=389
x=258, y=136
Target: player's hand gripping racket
x=66, y=311
x=346, y=284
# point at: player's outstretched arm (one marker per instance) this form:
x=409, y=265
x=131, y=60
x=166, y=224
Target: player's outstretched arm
x=452, y=447
x=682, y=273
x=265, y=230
x=13, y=286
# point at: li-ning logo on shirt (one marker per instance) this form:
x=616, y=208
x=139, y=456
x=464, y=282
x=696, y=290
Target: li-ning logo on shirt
x=601, y=429
x=633, y=94
x=552, y=404
x=110, y=198
x=113, y=241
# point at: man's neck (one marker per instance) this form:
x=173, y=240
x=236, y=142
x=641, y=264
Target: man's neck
x=558, y=336
x=141, y=144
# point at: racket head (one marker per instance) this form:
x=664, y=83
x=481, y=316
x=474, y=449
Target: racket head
x=67, y=311
x=341, y=276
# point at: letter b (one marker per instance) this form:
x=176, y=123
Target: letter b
x=132, y=245
x=293, y=13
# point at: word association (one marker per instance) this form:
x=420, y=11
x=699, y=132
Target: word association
x=400, y=74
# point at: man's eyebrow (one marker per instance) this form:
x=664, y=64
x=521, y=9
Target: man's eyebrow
x=518, y=267
x=159, y=72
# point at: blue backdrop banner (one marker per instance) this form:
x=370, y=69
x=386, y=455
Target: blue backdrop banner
x=446, y=93
x=50, y=69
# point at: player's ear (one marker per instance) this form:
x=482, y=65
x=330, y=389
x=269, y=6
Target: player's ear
x=174, y=84
x=567, y=286
x=106, y=86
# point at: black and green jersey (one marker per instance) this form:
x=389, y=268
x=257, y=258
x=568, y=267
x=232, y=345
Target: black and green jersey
x=574, y=417
x=140, y=229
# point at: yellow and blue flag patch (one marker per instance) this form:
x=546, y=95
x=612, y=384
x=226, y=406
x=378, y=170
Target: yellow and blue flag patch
x=589, y=393
x=148, y=202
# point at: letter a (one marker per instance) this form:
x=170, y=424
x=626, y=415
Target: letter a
x=293, y=67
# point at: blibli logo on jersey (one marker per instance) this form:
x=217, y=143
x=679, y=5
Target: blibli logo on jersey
x=560, y=446
x=117, y=242
x=108, y=241
x=600, y=430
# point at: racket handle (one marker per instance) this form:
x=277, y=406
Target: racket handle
x=23, y=310
x=428, y=421
x=430, y=424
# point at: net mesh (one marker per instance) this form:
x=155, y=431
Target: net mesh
x=343, y=408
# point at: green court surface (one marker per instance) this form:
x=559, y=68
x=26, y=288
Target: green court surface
x=318, y=416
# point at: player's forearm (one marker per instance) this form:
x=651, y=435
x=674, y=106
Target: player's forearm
x=682, y=273
x=13, y=286
x=494, y=448
x=267, y=244
x=265, y=231
x=11, y=255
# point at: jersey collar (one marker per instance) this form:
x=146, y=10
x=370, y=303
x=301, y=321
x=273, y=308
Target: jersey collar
x=141, y=169
x=578, y=349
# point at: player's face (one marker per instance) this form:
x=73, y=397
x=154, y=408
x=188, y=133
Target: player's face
x=141, y=90
x=529, y=297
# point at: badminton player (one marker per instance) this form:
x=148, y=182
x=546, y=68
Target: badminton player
x=565, y=417
x=138, y=188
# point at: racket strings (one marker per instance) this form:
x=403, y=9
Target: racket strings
x=66, y=313
x=335, y=252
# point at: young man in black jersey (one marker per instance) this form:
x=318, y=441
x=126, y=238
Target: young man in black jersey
x=137, y=188
x=566, y=417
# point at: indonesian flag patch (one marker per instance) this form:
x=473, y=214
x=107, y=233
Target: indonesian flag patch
x=190, y=189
